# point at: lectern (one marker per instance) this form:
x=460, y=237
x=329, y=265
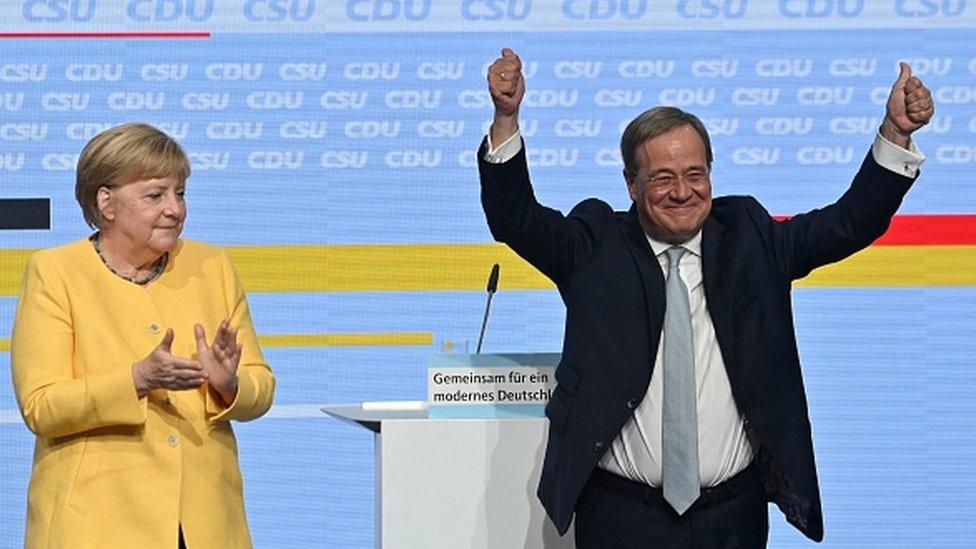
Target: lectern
x=456, y=483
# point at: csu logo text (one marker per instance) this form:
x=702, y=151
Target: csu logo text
x=493, y=10
x=715, y=68
x=303, y=129
x=205, y=101
x=440, y=129
x=751, y=97
x=577, y=69
x=166, y=72
x=208, y=160
x=23, y=72
x=853, y=67
x=279, y=10
x=712, y=9
x=441, y=70
x=301, y=71
x=930, y=8
x=58, y=101
x=48, y=11
x=31, y=131
x=578, y=127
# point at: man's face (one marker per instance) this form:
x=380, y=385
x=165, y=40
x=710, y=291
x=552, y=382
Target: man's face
x=671, y=188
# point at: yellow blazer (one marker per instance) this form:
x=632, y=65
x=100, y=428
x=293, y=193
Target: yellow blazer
x=111, y=469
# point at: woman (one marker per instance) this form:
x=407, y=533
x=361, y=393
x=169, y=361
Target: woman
x=130, y=402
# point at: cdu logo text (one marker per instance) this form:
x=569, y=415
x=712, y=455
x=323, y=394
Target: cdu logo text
x=818, y=9
x=144, y=11
x=388, y=10
x=600, y=10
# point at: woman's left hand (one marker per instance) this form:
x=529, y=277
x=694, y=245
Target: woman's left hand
x=220, y=359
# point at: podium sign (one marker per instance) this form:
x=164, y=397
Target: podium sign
x=490, y=386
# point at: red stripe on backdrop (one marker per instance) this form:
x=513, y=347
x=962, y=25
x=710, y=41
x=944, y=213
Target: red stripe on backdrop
x=102, y=35
x=927, y=230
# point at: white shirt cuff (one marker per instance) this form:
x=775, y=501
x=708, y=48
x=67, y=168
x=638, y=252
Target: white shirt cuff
x=504, y=152
x=897, y=159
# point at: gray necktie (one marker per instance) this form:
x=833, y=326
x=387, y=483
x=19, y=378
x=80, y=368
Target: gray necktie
x=679, y=422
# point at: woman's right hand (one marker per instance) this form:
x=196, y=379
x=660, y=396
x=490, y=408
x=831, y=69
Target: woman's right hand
x=162, y=370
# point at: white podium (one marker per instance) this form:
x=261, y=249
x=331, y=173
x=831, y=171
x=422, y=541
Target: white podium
x=457, y=483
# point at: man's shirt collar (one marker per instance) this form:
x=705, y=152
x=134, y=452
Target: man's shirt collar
x=693, y=245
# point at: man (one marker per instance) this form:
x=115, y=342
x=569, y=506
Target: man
x=680, y=408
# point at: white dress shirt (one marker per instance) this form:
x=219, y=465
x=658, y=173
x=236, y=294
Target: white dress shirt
x=723, y=447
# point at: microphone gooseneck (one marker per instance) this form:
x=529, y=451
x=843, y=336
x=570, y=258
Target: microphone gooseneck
x=492, y=288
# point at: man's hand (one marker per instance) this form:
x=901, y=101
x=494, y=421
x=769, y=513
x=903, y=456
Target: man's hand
x=507, y=87
x=162, y=370
x=909, y=107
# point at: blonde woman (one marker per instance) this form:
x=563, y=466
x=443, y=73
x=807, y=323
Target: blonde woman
x=133, y=349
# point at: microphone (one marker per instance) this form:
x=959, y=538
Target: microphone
x=492, y=288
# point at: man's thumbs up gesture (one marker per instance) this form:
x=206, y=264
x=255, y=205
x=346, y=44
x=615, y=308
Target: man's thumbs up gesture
x=909, y=107
x=507, y=88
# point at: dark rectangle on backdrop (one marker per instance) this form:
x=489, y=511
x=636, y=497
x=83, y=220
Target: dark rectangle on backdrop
x=25, y=213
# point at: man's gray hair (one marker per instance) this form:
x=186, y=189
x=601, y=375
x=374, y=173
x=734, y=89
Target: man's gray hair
x=654, y=122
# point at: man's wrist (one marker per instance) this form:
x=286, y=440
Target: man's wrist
x=503, y=127
x=890, y=132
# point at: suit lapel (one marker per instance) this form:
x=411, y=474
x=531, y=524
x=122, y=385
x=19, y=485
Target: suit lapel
x=650, y=272
x=716, y=265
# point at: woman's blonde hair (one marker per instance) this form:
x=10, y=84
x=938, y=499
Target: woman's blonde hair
x=121, y=155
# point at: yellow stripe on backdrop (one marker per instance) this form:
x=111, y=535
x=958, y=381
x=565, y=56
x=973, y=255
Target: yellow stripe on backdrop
x=374, y=339
x=380, y=268
x=465, y=267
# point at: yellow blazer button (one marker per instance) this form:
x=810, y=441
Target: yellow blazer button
x=173, y=440
x=154, y=328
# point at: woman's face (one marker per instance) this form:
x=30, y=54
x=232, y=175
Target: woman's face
x=147, y=214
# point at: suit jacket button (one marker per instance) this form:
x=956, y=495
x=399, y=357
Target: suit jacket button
x=598, y=447
x=632, y=403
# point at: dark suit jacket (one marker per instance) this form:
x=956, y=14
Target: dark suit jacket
x=613, y=289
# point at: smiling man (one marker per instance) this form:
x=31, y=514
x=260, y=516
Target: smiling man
x=680, y=409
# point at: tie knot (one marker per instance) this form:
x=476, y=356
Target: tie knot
x=674, y=256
